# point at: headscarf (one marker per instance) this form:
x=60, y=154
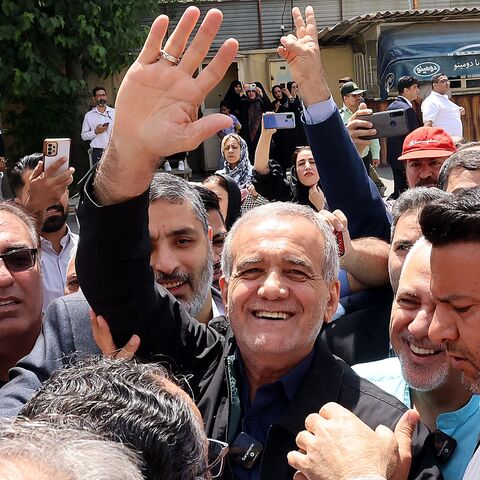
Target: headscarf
x=283, y=101
x=300, y=191
x=234, y=200
x=232, y=98
x=243, y=172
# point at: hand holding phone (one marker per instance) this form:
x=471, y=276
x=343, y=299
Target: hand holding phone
x=53, y=150
x=390, y=123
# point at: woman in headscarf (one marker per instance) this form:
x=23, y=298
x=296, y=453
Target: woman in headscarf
x=236, y=163
x=251, y=110
x=233, y=97
x=304, y=185
x=229, y=196
x=284, y=140
x=295, y=106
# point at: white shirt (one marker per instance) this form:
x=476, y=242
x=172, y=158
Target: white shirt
x=443, y=113
x=54, y=266
x=93, y=118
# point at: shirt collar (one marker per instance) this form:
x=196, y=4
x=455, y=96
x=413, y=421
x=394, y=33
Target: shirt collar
x=290, y=381
x=406, y=99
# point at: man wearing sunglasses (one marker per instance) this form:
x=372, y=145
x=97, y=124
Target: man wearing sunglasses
x=47, y=191
x=20, y=286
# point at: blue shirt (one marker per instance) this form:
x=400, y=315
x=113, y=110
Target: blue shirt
x=271, y=402
x=462, y=424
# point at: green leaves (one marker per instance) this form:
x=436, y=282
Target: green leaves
x=49, y=49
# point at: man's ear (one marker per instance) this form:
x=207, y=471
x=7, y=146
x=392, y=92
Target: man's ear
x=332, y=303
x=223, y=283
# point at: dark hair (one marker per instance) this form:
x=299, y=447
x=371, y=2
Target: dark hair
x=209, y=198
x=130, y=403
x=224, y=104
x=462, y=159
x=455, y=218
x=96, y=89
x=289, y=85
x=406, y=82
x=437, y=77
x=28, y=162
x=176, y=190
x=414, y=199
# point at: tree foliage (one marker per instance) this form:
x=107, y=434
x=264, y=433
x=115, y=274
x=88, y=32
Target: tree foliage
x=49, y=47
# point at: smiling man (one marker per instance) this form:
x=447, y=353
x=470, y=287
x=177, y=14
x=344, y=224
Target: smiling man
x=421, y=375
x=255, y=384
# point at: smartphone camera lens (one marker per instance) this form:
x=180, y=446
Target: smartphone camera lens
x=393, y=123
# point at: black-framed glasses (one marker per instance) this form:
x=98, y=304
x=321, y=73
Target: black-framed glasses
x=217, y=451
x=20, y=259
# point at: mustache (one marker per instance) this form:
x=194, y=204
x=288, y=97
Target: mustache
x=426, y=182
x=161, y=277
x=424, y=343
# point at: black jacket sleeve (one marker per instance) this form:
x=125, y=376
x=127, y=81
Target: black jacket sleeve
x=113, y=267
x=273, y=186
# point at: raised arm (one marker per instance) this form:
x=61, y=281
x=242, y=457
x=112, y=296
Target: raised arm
x=156, y=115
x=344, y=181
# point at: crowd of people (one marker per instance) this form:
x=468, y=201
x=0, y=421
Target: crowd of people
x=327, y=334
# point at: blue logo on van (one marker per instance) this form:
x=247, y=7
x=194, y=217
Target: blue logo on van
x=426, y=69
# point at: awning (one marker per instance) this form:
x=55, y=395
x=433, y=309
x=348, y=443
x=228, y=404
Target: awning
x=426, y=49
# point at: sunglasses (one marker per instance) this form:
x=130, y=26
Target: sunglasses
x=20, y=259
x=217, y=452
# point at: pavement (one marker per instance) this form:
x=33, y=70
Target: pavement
x=385, y=173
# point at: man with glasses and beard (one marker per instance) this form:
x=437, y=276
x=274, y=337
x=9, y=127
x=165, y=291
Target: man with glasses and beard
x=49, y=192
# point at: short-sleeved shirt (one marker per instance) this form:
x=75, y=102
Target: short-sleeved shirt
x=443, y=113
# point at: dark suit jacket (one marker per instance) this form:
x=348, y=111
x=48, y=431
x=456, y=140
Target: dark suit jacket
x=395, y=144
x=114, y=271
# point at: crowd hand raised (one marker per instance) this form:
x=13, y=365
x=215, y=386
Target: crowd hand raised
x=316, y=196
x=302, y=53
x=157, y=103
x=336, y=445
x=103, y=338
x=360, y=128
x=46, y=187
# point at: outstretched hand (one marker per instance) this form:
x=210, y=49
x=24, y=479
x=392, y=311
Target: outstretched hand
x=158, y=101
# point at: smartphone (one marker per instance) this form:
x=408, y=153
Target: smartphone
x=53, y=149
x=282, y=85
x=340, y=243
x=279, y=120
x=390, y=123
x=251, y=86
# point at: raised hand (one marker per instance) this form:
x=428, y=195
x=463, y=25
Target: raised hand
x=302, y=53
x=157, y=104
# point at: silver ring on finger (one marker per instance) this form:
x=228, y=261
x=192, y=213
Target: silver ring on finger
x=169, y=57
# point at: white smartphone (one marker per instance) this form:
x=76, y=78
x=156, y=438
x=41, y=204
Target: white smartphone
x=53, y=149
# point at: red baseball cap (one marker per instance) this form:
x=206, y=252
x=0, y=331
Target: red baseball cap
x=427, y=142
